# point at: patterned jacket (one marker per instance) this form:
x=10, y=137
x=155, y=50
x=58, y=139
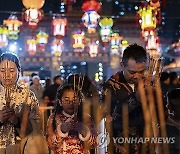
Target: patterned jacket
x=68, y=143
x=21, y=99
x=121, y=95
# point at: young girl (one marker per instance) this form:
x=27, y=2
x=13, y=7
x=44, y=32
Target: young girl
x=69, y=131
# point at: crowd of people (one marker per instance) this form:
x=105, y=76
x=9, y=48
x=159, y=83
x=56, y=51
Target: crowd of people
x=136, y=102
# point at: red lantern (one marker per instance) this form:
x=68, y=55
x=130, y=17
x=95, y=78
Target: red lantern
x=92, y=5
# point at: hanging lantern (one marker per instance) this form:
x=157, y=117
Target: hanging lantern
x=33, y=4
x=152, y=42
x=148, y=33
x=32, y=17
x=31, y=46
x=124, y=44
x=13, y=25
x=57, y=47
x=115, y=41
x=90, y=20
x=91, y=17
x=58, y=27
x=148, y=18
x=3, y=36
x=42, y=37
x=42, y=40
x=33, y=14
x=105, y=32
x=93, y=48
x=78, y=41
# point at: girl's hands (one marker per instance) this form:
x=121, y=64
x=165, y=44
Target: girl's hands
x=66, y=127
x=81, y=128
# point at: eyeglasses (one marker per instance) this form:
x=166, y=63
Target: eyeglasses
x=67, y=101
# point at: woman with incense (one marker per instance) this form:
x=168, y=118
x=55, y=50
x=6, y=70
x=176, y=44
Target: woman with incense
x=15, y=102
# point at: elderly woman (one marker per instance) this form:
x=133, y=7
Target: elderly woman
x=19, y=113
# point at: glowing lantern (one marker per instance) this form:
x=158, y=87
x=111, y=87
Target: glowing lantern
x=115, y=43
x=91, y=17
x=148, y=33
x=13, y=25
x=155, y=3
x=148, y=18
x=42, y=37
x=37, y=4
x=105, y=31
x=59, y=25
x=93, y=48
x=31, y=46
x=123, y=46
x=78, y=41
x=152, y=42
x=32, y=14
x=42, y=40
x=57, y=47
x=3, y=36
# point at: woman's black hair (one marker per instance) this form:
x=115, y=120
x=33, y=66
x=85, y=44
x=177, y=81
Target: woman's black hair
x=58, y=107
x=11, y=57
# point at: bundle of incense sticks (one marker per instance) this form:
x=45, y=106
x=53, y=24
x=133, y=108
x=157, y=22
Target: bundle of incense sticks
x=7, y=96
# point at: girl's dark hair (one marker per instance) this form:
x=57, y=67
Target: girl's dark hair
x=59, y=109
x=11, y=57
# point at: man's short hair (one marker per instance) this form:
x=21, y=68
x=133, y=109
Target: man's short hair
x=135, y=52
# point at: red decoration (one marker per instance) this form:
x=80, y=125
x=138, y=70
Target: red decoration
x=91, y=5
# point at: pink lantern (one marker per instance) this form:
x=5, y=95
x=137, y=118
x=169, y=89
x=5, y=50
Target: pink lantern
x=58, y=27
x=31, y=46
x=93, y=48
